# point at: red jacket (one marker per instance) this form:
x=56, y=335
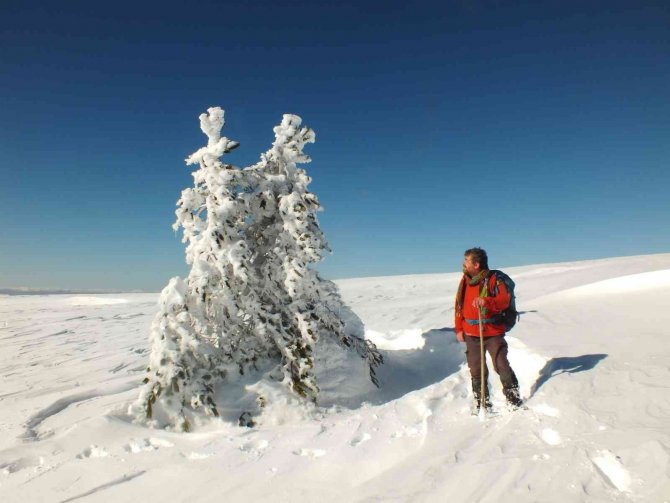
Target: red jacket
x=468, y=321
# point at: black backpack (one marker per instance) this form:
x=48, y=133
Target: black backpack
x=509, y=316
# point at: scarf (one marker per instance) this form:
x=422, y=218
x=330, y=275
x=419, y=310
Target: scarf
x=460, y=295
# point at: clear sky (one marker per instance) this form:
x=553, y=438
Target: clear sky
x=537, y=130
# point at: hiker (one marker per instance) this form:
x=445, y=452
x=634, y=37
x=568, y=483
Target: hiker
x=482, y=289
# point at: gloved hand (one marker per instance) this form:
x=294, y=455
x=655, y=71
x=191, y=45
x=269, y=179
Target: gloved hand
x=479, y=302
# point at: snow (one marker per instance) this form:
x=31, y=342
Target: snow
x=95, y=301
x=634, y=283
x=612, y=469
x=550, y=436
x=397, y=339
x=591, y=353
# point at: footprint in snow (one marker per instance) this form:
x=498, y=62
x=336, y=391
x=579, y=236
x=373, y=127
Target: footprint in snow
x=21, y=464
x=311, y=453
x=93, y=452
x=255, y=446
x=610, y=467
x=359, y=439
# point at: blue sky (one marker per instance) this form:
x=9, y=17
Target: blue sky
x=537, y=130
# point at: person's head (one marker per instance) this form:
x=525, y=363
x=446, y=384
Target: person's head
x=475, y=260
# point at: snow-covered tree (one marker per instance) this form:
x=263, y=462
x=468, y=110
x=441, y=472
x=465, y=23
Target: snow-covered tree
x=183, y=366
x=288, y=240
x=202, y=326
x=250, y=296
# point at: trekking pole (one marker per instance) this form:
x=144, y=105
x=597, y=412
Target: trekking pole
x=482, y=401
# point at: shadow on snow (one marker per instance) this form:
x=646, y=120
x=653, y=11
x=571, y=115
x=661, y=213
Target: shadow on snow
x=405, y=371
x=569, y=364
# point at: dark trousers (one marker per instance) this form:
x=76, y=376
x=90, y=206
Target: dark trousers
x=497, y=348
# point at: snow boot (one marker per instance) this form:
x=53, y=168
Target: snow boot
x=513, y=397
x=511, y=391
x=477, y=401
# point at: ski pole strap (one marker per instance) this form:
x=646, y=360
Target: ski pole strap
x=472, y=323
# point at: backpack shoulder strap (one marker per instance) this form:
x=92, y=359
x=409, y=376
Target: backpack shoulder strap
x=492, y=292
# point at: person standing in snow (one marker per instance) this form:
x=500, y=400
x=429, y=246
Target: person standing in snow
x=473, y=295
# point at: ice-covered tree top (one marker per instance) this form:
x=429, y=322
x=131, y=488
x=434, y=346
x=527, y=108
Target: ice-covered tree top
x=211, y=124
x=290, y=139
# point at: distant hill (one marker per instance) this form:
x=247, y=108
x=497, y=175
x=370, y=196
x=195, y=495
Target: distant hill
x=47, y=291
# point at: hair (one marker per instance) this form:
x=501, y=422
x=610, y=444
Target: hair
x=478, y=255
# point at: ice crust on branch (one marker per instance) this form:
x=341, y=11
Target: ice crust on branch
x=251, y=302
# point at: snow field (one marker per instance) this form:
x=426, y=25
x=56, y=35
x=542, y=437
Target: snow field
x=591, y=366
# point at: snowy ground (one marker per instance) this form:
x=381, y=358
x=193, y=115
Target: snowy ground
x=591, y=352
